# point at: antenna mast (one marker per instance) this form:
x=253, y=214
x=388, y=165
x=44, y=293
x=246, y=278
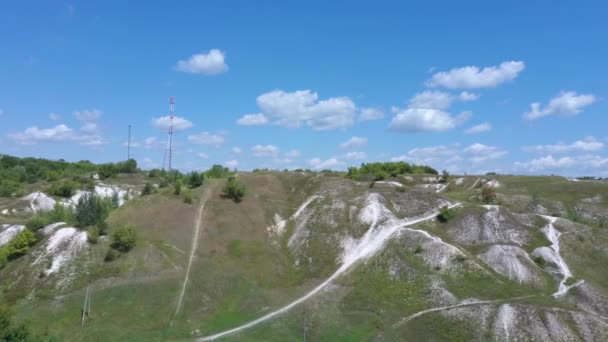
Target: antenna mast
x=169, y=151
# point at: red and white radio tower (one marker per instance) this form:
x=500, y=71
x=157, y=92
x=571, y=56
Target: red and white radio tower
x=169, y=151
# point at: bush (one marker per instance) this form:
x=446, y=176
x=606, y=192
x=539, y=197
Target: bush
x=20, y=244
x=194, y=179
x=539, y=260
x=188, y=197
x=234, y=189
x=177, y=189
x=163, y=183
x=8, y=187
x=102, y=228
x=93, y=235
x=124, y=239
x=59, y=213
x=488, y=194
x=111, y=255
x=65, y=188
x=446, y=214
x=217, y=171
x=147, y=190
x=91, y=210
x=445, y=176
x=400, y=189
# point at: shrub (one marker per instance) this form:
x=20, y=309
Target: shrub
x=115, y=200
x=446, y=214
x=111, y=255
x=488, y=194
x=148, y=189
x=59, y=213
x=194, y=179
x=188, y=197
x=445, y=176
x=539, y=260
x=234, y=189
x=91, y=210
x=163, y=183
x=177, y=189
x=21, y=243
x=93, y=235
x=8, y=187
x=102, y=228
x=400, y=189
x=371, y=184
x=65, y=188
x=380, y=175
x=124, y=239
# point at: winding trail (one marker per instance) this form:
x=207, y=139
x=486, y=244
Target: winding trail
x=472, y=186
x=368, y=245
x=448, y=307
x=195, y=234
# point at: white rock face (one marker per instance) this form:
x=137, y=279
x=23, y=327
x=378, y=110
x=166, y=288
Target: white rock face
x=493, y=183
x=8, y=232
x=48, y=230
x=459, y=181
x=39, y=201
x=512, y=262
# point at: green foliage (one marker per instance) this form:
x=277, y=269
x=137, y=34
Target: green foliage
x=188, y=197
x=539, y=260
x=111, y=255
x=177, y=189
x=194, y=179
x=446, y=214
x=124, y=239
x=379, y=171
x=65, y=188
x=91, y=210
x=59, y=213
x=234, y=189
x=102, y=228
x=17, y=247
x=11, y=332
x=147, y=190
x=488, y=194
x=93, y=235
x=8, y=187
x=217, y=171
x=445, y=175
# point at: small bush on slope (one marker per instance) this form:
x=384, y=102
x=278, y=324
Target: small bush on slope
x=17, y=247
x=446, y=214
x=124, y=239
x=234, y=189
x=91, y=210
x=65, y=188
x=58, y=214
x=488, y=194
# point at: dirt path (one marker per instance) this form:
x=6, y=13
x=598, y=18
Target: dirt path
x=196, y=228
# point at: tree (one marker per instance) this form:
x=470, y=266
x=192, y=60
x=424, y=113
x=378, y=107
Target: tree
x=194, y=179
x=124, y=239
x=178, y=188
x=234, y=189
x=65, y=188
x=90, y=210
x=148, y=189
x=445, y=176
x=488, y=194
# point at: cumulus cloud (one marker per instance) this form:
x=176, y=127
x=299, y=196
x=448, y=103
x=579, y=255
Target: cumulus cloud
x=231, y=163
x=439, y=99
x=425, y=120
x=292, y=154
x=479, y=153
x=428, y=155
x=90, y=115
x=470, y=77
x=147, y=143
x=210, y=63
x=354, y=142
x=586, y=163
x=253, y=120
x=484, y=127
x=356, y=155
x=370, y=114
x=236, y=150
x=206, y=138
x=567, y=103
x=265, y=151
x=53, y=116
x=60, y=133
x=589, y=144
x=331, y=163
x=164, y=122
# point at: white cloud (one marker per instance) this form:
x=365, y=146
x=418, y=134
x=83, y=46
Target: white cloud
x=465, y=96
x=88, y=115
x=179, y=123
x=473, y=77
x=211, y=63
x=292, y=154
x=589, y=144
x=425, y=120
x=60, y=133
x=203, y=155
x=303, y=107
x=356, y=155
x=479, y=153
x=89, y=127
x=354, y=142
x=54, y=116
x=206, y=138
x=484, y=127
x=331, y=163
x=370, y=114
x=265, y=151
x=563, y=164
x=236, y=150
x=148, y=143
x=431, y=99
x=231, y=163
x=428, y=155
x=252, y=120
x=567, y=103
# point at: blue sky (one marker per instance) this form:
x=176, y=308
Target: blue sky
x=471, y=86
